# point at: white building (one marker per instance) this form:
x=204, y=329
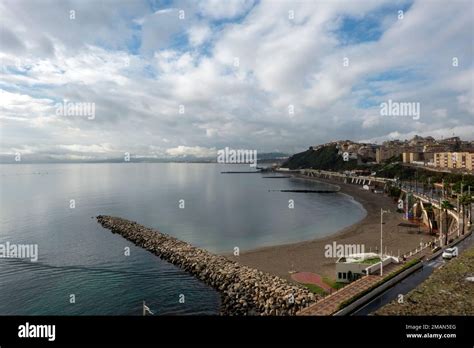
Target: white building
x=355, y=266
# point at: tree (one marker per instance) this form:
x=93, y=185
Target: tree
x=462, y=205
x=465, y=202
x=445, y=206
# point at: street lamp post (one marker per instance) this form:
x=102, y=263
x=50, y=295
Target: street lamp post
x=416, y=180
x=470, y=205
x=381, y=238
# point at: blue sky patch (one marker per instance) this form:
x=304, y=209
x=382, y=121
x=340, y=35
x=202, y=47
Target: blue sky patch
x=369, y=27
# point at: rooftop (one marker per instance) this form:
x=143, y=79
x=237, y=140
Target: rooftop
x=367, y=258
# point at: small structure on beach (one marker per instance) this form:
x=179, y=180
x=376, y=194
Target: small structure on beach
x=355, y=266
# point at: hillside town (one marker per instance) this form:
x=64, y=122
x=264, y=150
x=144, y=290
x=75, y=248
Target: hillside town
x=448, y=154
x=418, y=196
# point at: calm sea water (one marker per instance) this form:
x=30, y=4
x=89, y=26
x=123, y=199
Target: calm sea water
x=77, y=256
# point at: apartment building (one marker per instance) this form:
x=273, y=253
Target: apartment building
x=384, y=152
x=454, y=160
x=410, y=157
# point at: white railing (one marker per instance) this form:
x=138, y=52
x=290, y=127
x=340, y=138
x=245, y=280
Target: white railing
x=422, y=247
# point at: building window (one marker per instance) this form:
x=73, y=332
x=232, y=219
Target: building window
x=339, y=275
x=349, y=275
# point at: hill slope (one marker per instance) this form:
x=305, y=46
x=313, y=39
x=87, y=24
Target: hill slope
x=325, y=158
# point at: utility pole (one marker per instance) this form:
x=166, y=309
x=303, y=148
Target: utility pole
x=459, y=214
x=416, y=181
x=407, y=208
x=442, y=189
x=381, y=239
x=430, y=187
x=470, y=204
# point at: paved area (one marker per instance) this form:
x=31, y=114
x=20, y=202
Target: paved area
x=311, y=278
x=330, y=304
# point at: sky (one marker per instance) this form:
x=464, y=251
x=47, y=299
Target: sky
x=187, y=78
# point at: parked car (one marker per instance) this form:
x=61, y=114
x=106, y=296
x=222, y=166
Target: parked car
x=449, y=253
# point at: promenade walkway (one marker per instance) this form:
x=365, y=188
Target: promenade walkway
x=330, y=304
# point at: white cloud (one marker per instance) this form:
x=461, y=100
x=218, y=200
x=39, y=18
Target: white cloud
x=371, y=121
x=138, y=76
x=197, y=151
x=199, y=34
x=95, y=148
x=217, y=9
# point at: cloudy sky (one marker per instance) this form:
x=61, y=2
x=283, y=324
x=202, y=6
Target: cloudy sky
x=171, y=78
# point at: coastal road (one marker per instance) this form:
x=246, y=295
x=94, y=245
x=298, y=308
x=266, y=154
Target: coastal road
x=410, y=282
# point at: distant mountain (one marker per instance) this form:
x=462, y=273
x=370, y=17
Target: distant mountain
x=133, y=159
x=271, y=156
x=4, y=159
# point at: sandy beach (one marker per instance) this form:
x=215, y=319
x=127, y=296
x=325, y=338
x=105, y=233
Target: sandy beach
x=308, y=256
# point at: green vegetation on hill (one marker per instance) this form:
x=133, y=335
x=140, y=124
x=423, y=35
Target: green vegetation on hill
x=325, y=158
x=403, y=172
x=395, y=170
x=448, y=291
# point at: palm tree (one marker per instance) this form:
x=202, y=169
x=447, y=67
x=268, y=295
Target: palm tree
x=470, y=201
x=445, y=205
x=464, y=202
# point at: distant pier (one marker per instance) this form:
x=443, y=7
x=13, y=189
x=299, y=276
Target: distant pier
x=277, y=177
x=337, y=189
x=242, y=172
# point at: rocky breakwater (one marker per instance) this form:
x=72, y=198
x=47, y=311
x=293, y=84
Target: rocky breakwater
x=244, y=290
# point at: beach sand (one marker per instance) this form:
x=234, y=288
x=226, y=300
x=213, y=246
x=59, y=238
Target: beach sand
x=308, y=256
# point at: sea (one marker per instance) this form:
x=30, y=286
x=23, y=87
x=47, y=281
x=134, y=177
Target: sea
x=84, y=269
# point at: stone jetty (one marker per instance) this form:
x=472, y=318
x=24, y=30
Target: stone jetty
x=244, y=290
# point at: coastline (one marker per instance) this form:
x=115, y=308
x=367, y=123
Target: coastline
x=243, y=290
x=308, y=256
